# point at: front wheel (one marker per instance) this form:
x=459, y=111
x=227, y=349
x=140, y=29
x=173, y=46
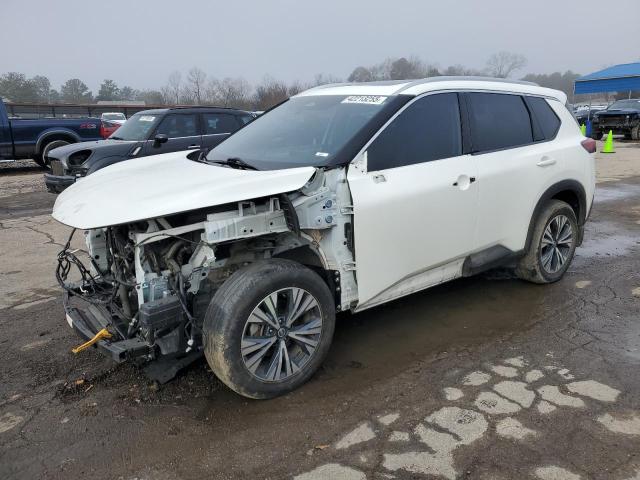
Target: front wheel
x=553, y=244
x=268, y=328
x=41, y=158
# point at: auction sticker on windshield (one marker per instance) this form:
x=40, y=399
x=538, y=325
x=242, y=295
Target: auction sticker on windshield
x=365, y=99
x=147, y=118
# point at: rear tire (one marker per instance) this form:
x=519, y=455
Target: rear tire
x=253, y=339
x=553, y=244
x=597, y=135
x=635, y=133
x=41, y=158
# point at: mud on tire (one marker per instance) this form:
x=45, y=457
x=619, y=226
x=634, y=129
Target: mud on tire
x=534, y=266
x=226, y=327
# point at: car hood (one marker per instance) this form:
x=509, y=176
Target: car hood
x=116, y=145
x=161, y=185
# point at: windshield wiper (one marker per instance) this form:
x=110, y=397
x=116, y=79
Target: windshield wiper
x=235, y=162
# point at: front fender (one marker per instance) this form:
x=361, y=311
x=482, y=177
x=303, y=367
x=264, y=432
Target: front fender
x=103, y=162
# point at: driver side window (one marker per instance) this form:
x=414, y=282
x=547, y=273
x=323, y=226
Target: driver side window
x=178, y=125
x=429, y=129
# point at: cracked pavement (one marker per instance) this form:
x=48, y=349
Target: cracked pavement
x=482, y=378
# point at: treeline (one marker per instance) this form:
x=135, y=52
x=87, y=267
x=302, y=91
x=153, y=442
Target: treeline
x=17, y=87
x=196, y=87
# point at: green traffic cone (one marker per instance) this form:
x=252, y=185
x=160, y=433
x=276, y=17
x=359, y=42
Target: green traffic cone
x=608, y=144
x=583, y=130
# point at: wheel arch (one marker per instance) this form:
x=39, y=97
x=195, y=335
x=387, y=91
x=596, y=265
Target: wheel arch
x=312, y=259
x=569, y=191
x=57, y=134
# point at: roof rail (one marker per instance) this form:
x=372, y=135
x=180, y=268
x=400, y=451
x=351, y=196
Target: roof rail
x=420, y=81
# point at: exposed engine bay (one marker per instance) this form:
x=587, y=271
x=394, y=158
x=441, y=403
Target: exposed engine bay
x=148, y=284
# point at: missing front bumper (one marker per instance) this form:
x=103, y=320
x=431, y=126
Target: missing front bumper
x=87, y=320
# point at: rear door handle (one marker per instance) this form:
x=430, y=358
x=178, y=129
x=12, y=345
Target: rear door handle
x=194, y=146
x=546, y=162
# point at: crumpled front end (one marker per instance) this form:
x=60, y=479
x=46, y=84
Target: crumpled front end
x=146, y=287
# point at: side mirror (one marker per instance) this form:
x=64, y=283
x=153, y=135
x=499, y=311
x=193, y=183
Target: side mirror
x=159, y=139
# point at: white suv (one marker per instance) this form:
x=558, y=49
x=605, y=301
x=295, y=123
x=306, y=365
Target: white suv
x=341, y=198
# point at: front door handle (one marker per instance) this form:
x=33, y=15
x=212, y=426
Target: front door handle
x=464, y=181
x=194, y=146
x=546, y=162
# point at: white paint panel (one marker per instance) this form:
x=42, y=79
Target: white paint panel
x=162, y=185
x=411, y=222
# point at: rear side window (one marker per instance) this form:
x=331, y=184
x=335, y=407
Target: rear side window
x=219, y=123
x=498, y=121
x=546, y=117
x=174, y=126
x=429, y=129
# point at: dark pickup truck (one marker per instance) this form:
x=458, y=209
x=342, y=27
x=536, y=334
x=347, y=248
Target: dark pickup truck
x=26, y=138
x=621, y=117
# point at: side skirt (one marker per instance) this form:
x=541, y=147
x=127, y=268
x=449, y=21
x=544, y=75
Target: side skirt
x=492, y=257
x=415, y=283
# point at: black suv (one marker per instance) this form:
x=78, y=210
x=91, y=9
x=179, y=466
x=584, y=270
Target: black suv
x=149, y=132
x=621, y=117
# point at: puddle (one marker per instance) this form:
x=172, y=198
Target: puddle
x=383, y=341
x=607, y=239
x=618, y=192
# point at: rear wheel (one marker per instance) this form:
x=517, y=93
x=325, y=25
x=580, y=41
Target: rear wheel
x=41, y=158
x=268, y=328
x=553, y=244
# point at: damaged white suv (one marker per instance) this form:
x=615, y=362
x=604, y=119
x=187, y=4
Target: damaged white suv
x=341, y=198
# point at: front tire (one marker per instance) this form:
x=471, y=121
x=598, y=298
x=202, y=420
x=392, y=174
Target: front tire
x=635, y=133
x=41, y=158
x=553, y=244
x=596, y=135
x=269, y=328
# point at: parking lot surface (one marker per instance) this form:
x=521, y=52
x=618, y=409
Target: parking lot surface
x=485, y=378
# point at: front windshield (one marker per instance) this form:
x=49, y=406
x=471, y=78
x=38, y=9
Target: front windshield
x=113, y=116
x=137, y=127
x=304, y=131
x=625, y=104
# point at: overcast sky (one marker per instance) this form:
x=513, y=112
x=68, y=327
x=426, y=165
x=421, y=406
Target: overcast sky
x=140, y=42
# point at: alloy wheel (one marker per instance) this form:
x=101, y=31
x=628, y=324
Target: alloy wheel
x=556, y=244
x=281, y=334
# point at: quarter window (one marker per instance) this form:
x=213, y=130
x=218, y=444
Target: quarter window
x=215, y=123
x=498, y=121
x=547, y=119
x=182, y=125
x=429, y=129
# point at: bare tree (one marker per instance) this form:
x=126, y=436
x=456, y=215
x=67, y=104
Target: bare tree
x=271, y=92
x=233, y=92
x=503, y=64
x=324, y=79
x=360, y=74
x=174, y=87
x=196, y=79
